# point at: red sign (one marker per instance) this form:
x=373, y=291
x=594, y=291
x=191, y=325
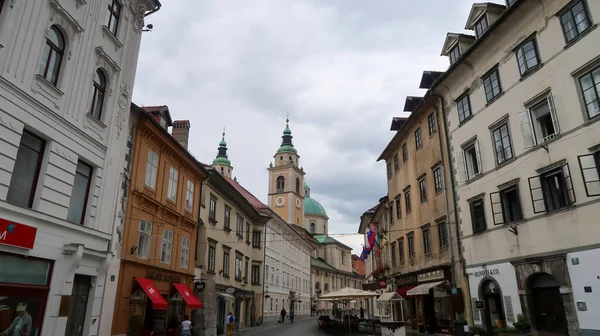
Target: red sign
x=383, y=284
x=15, y=234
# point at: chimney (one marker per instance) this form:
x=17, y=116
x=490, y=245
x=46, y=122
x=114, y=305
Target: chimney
x=181, y=132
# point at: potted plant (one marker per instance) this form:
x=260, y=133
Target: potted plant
x=477, y=330
x=459, y=324
x=522, y=324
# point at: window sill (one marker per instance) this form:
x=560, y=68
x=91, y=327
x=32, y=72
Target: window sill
x=531, y=71
x=46, y=84
x=226, y=229
x=581, y=36
x=212, y=221
x=495, y=99
x=112, y=37
x=474, y=178
x=172, y=201
x=439, y=191
x=479, y=232
x=464, y=121
x=211, y=272
x=256, y=284
x=248, y=243
x=256, y=247
x=443, y=248
x=95, y=121
x=432, y=134
x=565, y=209
x=225, y=276
x=505, y=162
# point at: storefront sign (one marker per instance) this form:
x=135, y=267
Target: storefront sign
x=429, y=276
x=15, y=234
x=487, y=272
x=154, y=275
x=406, y=280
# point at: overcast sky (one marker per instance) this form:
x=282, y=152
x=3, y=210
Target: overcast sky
x=340, y=68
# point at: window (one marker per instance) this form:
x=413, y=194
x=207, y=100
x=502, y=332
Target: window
x=407, y=204
x=391, y=213
x=54, y=50
x=144, y=239
x=471, y=165
x=212, y=256
x=172, y=191
x=590, y=88
x=552, y=190
x=404, y=153
x=247, y=233
x=463, y=104
x=481, y=26
x=227, y=224
x=423, y=190
x=506, y=205
x=240, y=227
x=388, y=168
x=297, y=185
x=112, y=20
x=437, y=179
x=401, y=250
x=443, y=235
x=151, y=169
x=502, y=145
x=540, y=123
x=189, y=196
x=24, y=179
x=418, y=141
x=280, y=184
x=398, y=208
x=590, y=171
x=245, y=278
x=491, y=85
x=431, y=123
x=527, y=56
x=575, y=20
x=185, y=252
x=98, y=90
x=79, y=195
x=411, y=245
x=313, y=227
x=396, y=164
x=393, y=253
x=167, y=245
x=212, y=210
x=226, y=263
x=426, y=240
x=256, y=238
x=477, y=215
x=255, y=274
x=454, y=54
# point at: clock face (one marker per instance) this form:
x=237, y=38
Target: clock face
x=298, y=203
x=279, y=201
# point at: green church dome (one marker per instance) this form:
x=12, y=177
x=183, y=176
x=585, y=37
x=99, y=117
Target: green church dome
x=222, y=161
x=314, y=208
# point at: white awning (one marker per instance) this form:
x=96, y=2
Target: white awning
x=423, y=289
x=389, y=296
x=227, y=296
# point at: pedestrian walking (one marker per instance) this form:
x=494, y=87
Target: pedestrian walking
x=362, y=313
x=186, y=326
x=229, y=323
x=291, y=316
x=283, y=313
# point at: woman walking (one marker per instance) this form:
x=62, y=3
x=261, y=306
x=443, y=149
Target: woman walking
x=186, y=326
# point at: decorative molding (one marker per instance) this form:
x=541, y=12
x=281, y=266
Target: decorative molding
x=12, y=3
x=123, y=103
x=137, y=17
x=80, y=3
x=62, y=152
x=7, y=120
x=63, y=17
x=107, y=33
x=104, y=61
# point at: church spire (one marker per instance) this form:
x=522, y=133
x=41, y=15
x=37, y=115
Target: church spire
x=222, y=162
x=286, y=144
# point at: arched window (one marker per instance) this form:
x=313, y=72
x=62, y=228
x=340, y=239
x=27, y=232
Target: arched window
x=54, y=49
x=297, y=185
x=98, y=94
x=313, y=227
x=280, y=184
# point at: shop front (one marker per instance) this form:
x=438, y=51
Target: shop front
x=152, y=300
x=494, y=295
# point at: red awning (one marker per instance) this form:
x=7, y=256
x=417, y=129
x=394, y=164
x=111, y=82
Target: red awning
x=402, y=291
x=189, y=297
x=158, y=302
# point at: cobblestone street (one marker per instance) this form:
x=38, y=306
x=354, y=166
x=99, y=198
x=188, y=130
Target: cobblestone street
x=303, y=327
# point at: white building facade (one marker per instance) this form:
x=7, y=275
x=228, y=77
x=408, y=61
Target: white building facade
x=521, y=102
x=287, y=270
x=67, y=73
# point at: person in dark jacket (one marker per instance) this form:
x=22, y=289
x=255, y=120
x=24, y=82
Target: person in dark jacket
x=283, y=313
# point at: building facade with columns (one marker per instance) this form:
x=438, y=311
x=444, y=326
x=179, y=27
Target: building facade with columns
x=67, y=70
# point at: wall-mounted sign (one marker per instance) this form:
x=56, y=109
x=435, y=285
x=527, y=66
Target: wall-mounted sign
x=487, y=272
x=154, y=275
x=15, y=234
x=409, y=280
x=480, y=304
x=575, y=261
x=433, y=275
x=230, y=290
x=581, y=306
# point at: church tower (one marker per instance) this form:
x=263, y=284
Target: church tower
x=221, y=163
x=286, y=181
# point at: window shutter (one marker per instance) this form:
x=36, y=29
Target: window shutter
x=461, y=167
x=553, y=114
x=478, y=157
x=569, y=183
x=537, y=194
x=497, y=213
x=526, y=129
x=589, y=174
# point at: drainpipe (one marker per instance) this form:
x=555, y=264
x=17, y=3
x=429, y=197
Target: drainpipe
x=262, y=305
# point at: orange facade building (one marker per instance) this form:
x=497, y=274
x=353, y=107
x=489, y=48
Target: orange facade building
x=161, y=226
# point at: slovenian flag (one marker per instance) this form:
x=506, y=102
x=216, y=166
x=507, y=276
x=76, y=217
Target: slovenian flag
x=364, y=254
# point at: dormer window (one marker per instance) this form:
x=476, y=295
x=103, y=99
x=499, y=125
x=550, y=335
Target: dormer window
x=481, y=26
x=163, y=122
x=454, y=54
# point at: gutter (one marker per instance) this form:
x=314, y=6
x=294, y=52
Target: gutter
x=156, y=8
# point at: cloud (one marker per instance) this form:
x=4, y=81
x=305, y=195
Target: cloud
x=340, y=69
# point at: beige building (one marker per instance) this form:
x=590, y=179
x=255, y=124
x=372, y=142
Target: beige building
x=521, y=102
x=230, y=255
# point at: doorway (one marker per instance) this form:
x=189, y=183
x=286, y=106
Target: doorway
x=79, y=303
x=494, y=309
x=548, y=310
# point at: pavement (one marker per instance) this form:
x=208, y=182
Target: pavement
x=305, y=326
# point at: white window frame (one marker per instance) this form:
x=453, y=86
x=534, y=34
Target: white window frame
x=184, y=261
x=239, y=268
x=166, y=247
x=527, y=126
x=144, y=235
x=189, y=195
x=173, y=179
x=151, y=169
x=463, y=171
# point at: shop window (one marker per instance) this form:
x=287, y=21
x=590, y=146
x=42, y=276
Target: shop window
x=443, y=234
x=477, y=215
x=144, y=239
x=185, y=252
x=167, y=246
x=24, y=179
x=552, y=190
x=37, y=271
x=506, y=205
x=189, y=196
x=151, y=169
x=240, y=227
x=469, y=165
x=590, y=171
x=80, y=192
x=172, y=187
x=539, y=123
